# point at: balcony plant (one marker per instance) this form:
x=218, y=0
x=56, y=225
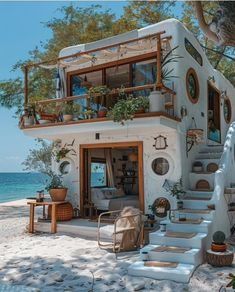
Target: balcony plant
x=68, y=111
x=176, y=190
x=55, y=187
x=28, y=117
x=97, y=92
x=89, y=114
x=126, y=108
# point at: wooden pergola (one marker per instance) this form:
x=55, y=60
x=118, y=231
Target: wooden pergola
x=159, y=83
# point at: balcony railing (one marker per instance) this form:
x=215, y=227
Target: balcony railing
x=60, y=111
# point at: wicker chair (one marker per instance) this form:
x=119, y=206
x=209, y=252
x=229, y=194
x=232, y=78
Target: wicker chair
x=126, y=232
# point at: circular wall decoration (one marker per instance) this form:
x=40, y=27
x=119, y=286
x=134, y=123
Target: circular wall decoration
x=160, y=165
x=160, y=207
x=65, y=167
x=192, y=85
x=227, y=110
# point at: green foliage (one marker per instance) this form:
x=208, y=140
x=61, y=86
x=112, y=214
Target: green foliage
x=232, y=281
x=219, y=237
x=176, y=189
x=39, y=159
x=55, y=182
x=125, y=109
x=68, y=108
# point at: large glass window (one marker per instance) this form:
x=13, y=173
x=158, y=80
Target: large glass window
x=98, y=174
x=192, y=51
x=144, y=73
x=118, y=76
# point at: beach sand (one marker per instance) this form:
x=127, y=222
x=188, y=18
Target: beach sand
x=45, y=262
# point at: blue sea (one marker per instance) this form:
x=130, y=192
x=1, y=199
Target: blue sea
x=16, y=186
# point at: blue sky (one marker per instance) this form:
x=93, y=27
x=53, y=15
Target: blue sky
x=21, y=29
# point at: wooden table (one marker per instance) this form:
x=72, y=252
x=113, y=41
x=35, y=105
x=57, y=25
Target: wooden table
x=53, y=205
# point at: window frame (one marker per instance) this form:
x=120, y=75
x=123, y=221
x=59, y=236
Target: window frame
x=191, y=71
x=228, y=120
x=103, y=68
x=195, y=50
x=101, y=161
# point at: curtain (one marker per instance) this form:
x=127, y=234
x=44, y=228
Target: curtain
x=61, y=89
x=108, y=155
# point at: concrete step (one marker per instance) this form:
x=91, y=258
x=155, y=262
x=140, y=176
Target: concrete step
x=198, y=194
x=181, y=273
x=195, y=177
x=192, y=203
x=196, y=214
x=206, y=155
x=212, y=149
x=229, y=191
x=191, y=256
x=187, y=227
x=159, y=238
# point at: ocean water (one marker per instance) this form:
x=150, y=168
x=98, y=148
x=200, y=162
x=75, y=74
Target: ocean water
x=16, y=186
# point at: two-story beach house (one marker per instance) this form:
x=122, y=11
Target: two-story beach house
x=186, y=132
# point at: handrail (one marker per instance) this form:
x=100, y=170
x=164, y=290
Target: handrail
x=224, y=176
x=114, y=91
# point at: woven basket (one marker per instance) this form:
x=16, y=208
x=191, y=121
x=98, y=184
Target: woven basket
x=219, y=259
x=64, y=212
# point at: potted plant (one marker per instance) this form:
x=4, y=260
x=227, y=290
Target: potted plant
x=68, y=111
x=28, y=118
x=122, y=111
x=56, y=188
x=97, y=92
x=142, y=104
x=197, y=166
x=76, y=111
x=89, y=114
x=177, y=190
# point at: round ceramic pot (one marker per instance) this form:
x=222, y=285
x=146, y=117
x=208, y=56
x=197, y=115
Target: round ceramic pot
x=163, y=227
x=67, y=118
x=180, y=205
x=197, y=168
x=102, y=113
x=58, y=195
x=156, y=101
x=28, y=121
x=218, y=247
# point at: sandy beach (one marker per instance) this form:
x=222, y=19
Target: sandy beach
x=45, y=262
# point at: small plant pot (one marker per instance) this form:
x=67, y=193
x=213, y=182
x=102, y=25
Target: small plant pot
x=58, y=195
x=28, y=121
x=67, y=118
x=144, y=256
x=218, y=247
x=180, y=205
x=102, y=113
x=162, y=227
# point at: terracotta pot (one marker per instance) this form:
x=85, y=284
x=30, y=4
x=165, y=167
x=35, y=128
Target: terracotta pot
x=67, y=118
x=58, y=195
x=102, y=113
x=218, y=247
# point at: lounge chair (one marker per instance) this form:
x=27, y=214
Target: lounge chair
x=126, y=232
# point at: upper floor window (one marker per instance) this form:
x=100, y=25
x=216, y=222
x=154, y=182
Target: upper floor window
x=192, y=85
x=117, y=76
x=227, y=110
x=192, y=51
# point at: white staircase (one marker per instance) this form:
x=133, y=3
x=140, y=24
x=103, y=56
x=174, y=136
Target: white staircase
x=167, y=261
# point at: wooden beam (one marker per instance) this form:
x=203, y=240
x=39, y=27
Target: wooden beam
x=97, y=49
x=26, y=98
x=159, y=63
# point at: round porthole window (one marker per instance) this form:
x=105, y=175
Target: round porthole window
x=192, y=85
x=227, y=110
x=65, y=167
x=160, y=166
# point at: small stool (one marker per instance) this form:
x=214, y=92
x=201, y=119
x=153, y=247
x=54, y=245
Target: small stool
x=219, y=259
x=64, y=212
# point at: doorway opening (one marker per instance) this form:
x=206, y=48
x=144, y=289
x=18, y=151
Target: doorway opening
x=213, y=123
x=111, y=176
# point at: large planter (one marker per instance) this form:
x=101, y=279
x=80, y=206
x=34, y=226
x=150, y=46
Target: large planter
x=67, y=118
x=58, y=195
x=156, y=102
x=28, y=121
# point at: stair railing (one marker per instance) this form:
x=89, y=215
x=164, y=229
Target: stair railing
x=224, y=177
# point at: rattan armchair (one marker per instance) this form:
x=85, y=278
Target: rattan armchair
x=125, y=232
